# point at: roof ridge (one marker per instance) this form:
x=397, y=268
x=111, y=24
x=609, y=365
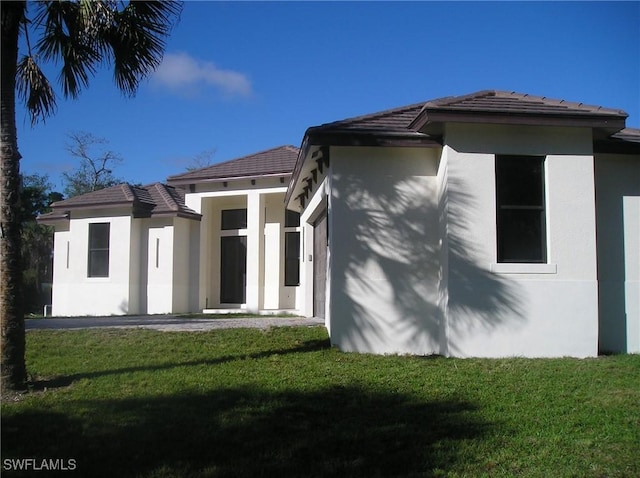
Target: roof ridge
x=166, y=197
x=447, y=100
x=128, y=191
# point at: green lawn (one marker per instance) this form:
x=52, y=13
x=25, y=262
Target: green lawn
x=282, y=403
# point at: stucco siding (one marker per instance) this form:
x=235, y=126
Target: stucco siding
x=520, y=309
x=74, y=293
x=181, y=263
x=383, y=235
x=135, y=265
x=160, y=260
x=618, y=240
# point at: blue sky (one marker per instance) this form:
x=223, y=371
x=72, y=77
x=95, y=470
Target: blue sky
x=241, y=77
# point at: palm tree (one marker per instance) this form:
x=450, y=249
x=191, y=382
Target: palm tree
x=81, y=36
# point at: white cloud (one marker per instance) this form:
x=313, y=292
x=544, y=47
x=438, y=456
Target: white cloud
x=181, y=72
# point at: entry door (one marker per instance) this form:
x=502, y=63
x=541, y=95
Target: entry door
x=320, y=265
x=233, y=269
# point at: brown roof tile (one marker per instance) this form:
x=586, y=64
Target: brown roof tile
x=626, y=141
x=512, y=107
x=272, y=162
x=115, y=195
x=423, y=123
x=628, y=134
x=168, y=200
x=502, y=101
x=396, y=119
x=152, y=200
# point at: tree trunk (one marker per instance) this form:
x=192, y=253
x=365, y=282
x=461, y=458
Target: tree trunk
x=11, y=300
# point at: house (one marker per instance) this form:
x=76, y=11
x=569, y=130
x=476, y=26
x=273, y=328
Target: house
x=492, y=224
x=489, y=225
x=193, y=244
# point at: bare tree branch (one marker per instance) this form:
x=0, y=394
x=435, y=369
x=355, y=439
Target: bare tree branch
x=95, y=170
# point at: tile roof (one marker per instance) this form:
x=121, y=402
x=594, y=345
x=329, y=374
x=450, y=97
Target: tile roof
x=395, y=119
x=153, y=200
x=504, y=101
x=626, y=141
x=115, y=195
x=516, y=108
x=502, y=104
x=168, y=200
x=272, y=162
x=423, y=123
x=628, y=134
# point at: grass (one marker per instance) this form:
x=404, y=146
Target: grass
x=247, y=403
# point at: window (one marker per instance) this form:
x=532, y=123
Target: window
x=98, y=250
x=291, y=248
x=234, y=219
x=291, y=218
x=521, y=229
x=291, y=258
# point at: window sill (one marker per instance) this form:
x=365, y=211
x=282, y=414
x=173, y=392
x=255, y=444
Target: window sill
x=517, y=268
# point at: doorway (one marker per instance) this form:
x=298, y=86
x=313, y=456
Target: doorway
x=233, y=269
x=320, y=265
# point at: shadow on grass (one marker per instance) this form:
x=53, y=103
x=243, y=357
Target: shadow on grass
x=238, y=432
x=66, y=380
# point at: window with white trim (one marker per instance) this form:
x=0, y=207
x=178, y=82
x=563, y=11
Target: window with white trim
x=520, y=209
x=292, y=248
x=98, y=263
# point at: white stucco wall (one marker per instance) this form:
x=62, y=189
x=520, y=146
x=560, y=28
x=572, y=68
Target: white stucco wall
x=383, y=236
x=160, y=263
x=536, y=310
x=74, y=293
x=618, y=239
x=182, y=273
x=413, y=257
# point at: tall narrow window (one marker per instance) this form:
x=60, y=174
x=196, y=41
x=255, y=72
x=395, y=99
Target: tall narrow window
x=98, y=250
x=292, y=248
x=292, y=258
x=521, y=222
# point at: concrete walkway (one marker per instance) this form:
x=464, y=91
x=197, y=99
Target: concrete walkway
x=168, y=323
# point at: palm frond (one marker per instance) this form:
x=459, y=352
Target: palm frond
x=137, y=40
x=82, y=35
x=65, y=37
x=34, y=89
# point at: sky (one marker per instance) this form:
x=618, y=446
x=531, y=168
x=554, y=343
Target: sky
x=243, y=77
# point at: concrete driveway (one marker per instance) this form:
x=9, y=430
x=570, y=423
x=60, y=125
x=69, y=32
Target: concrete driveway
x=168, y=323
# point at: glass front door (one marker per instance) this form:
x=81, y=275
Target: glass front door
x=233, y=269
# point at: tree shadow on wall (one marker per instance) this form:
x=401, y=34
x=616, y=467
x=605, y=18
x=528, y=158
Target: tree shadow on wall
x=405, y=263
x=247, y=432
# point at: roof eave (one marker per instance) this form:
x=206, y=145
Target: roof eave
x=51, y=219
x=185, y=181
x=616, y=146
x=432, y=122
x=182, y=214
x=331, y=136
x=92, y=205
